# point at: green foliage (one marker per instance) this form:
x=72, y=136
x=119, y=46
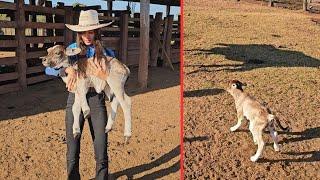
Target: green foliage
x=78, y=5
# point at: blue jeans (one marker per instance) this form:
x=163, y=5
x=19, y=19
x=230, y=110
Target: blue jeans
x=97, y=124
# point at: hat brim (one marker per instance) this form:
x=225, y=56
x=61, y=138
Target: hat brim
x=78, y=28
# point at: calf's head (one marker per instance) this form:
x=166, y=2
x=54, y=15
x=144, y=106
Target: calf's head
x=235, y=84
x=56, y=57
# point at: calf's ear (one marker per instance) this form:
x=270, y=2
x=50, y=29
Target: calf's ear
x=49, y=49
x=72, y=51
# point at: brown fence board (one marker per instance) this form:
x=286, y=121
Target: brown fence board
x=9, y=88
x=133, y=43
x=46, y=10
x=37, y=79
x=36, y=54
x=8, y=60
x=8, y=5
x=78, y=8
x=6, y=11
x=44, y=39
x=110, y=42
x=44, y=25
x=133, y=59
x=108, y=18
x=110, y=38
x=35, y=69
x=9, y=76
x=110, y=29
x=113, y=11
x=8, y=24
x=134, y=19
x=134, y=52
x=134, y=29
x=8, y=43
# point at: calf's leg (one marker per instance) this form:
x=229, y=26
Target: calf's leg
x=76, y=111
x=117, y=86
x=82, y=90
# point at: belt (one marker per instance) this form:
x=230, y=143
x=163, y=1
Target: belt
x=92, y=90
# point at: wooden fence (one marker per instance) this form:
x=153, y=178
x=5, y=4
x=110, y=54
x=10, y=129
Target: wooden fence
x=312, y=6
x=28, y=30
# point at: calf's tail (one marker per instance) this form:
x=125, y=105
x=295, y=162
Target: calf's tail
x=274, y=119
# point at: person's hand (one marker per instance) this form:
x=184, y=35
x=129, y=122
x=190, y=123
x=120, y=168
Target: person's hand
x=71, y=78
x=98, y=69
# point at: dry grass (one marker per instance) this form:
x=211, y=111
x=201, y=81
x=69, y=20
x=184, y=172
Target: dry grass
x=276, y=51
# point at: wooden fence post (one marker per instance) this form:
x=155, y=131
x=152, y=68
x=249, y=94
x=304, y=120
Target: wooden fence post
x=109, y=5
x=68, y=34
x=124, y=37
x=60, y=19
x=144, y=43
x=75, y=20
x=34, y=32
x=164, y=35
x=271, y=4
x=136, y=24
x=167, y=42
x=155, y=39
x=21, y=49
x=49, y=19
x=305, y=5
x=168, y=10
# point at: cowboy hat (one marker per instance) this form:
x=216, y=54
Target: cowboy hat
x=88, y=20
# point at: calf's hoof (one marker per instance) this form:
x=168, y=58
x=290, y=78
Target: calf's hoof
x=126, y=139
x=86, y=114
x=76, y=135
x=107, y=130
x=233, y=128
x=254, y=158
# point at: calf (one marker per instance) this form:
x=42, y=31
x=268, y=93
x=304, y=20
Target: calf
x=258, y=115
x=113, y=86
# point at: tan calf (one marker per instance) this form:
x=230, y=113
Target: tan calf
x=113, y=86
x=258, y=115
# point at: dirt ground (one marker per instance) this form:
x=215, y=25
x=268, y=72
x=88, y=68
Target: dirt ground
x=32, y=132
x=276, y=52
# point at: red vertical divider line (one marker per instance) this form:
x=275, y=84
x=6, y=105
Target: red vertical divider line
x=181, y=91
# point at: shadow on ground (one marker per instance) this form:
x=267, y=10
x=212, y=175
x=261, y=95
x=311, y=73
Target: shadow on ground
x=310, y=156
x=196, y=138
x=292, y=137
x=130, y=172
x=52, y=95
x=202, y=92
x=252, y=56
